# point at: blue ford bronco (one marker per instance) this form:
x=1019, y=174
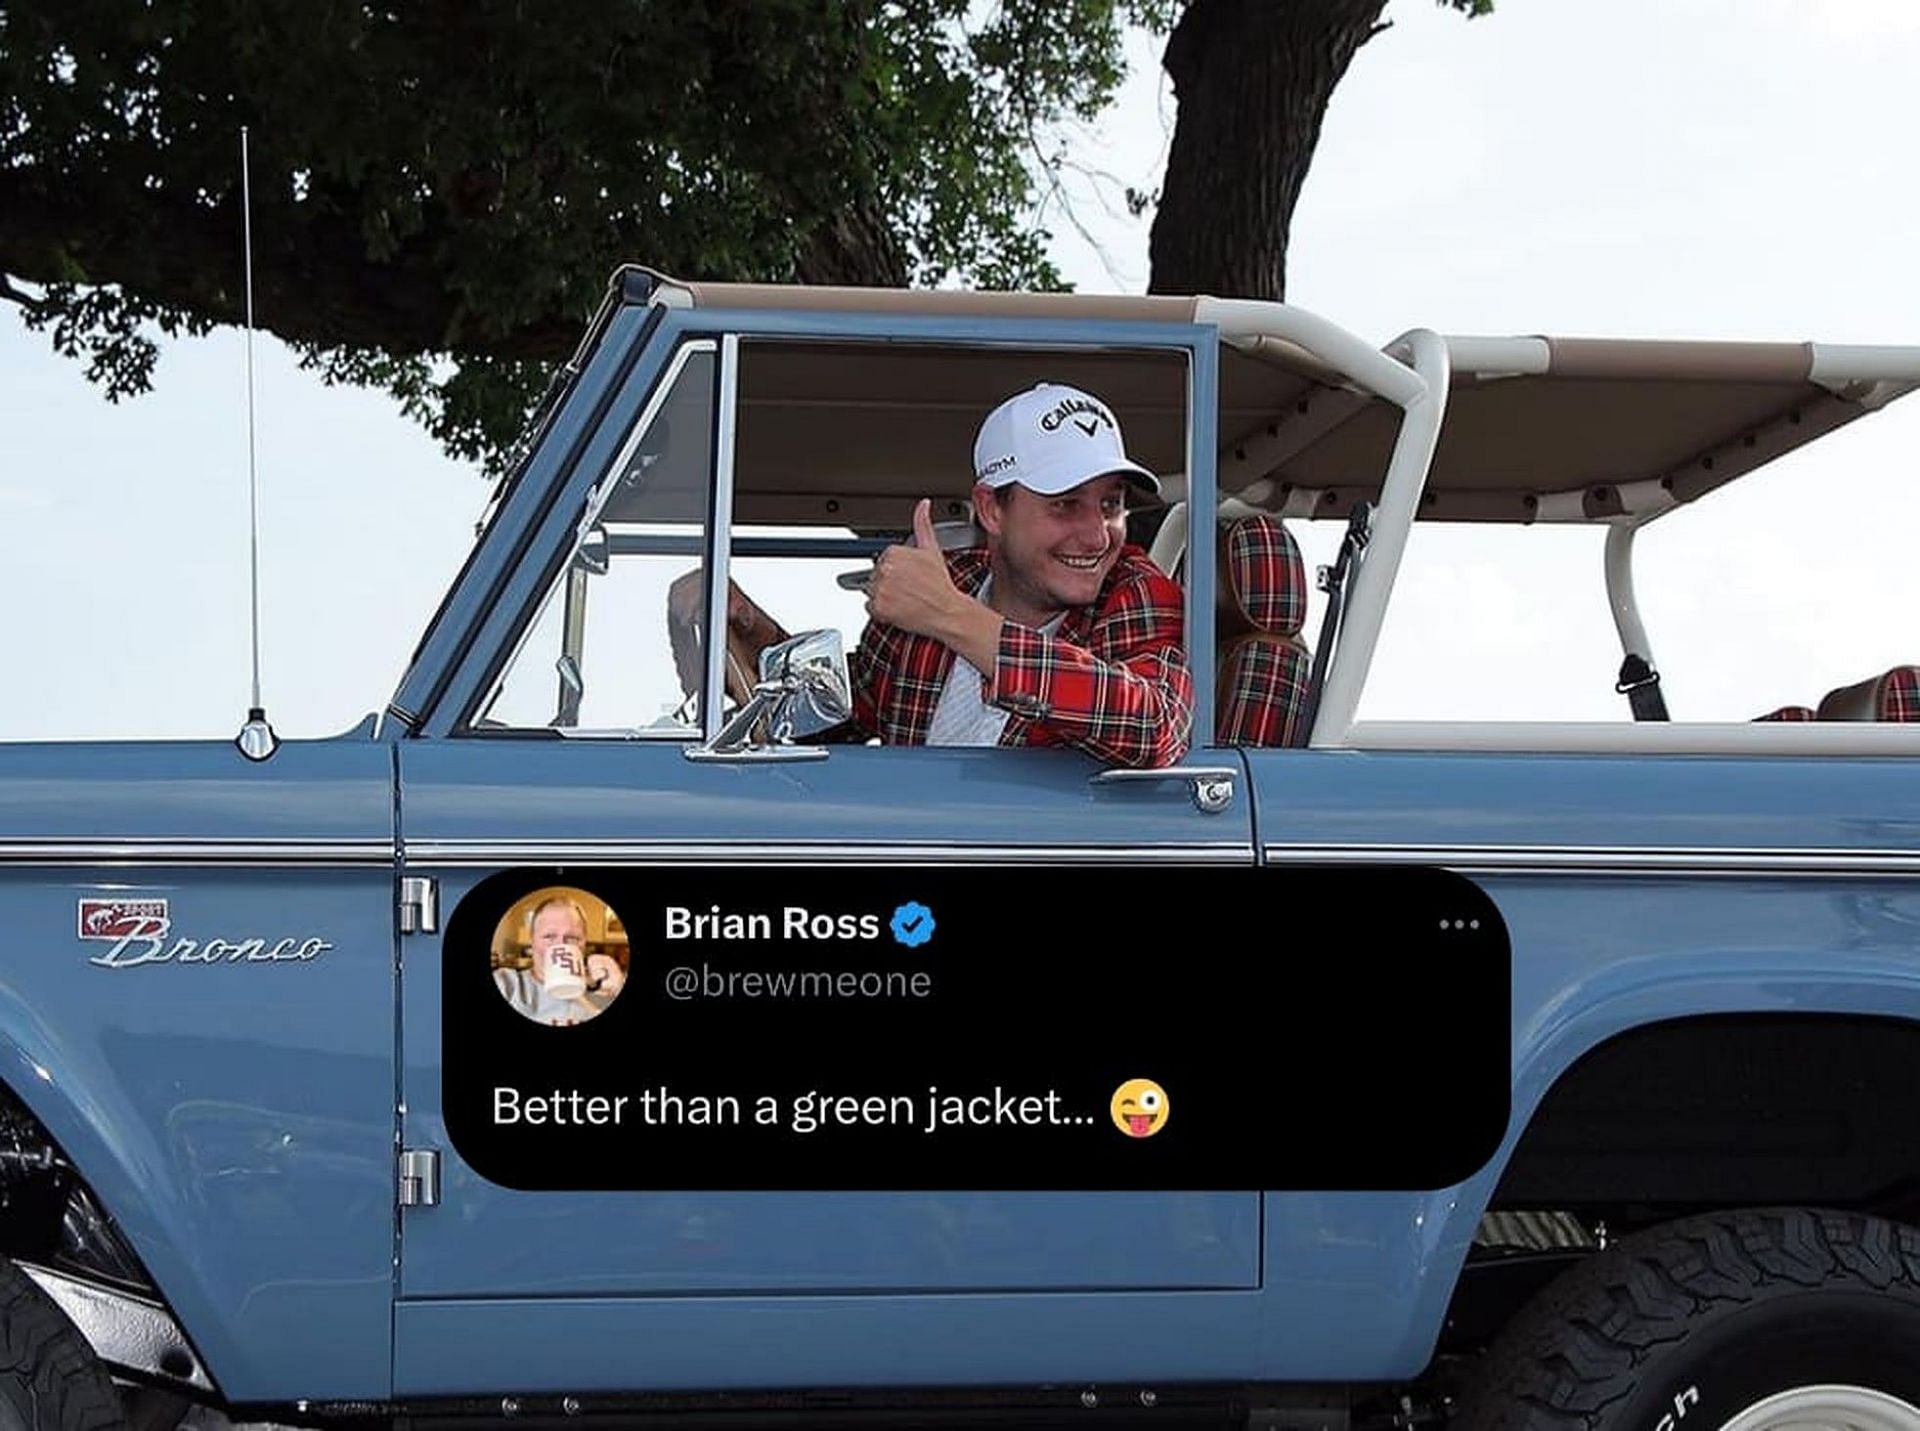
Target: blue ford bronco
x=1573, y=1059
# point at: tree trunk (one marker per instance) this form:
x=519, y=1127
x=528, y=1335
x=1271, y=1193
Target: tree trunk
x=857, y=246
x=1252, y=79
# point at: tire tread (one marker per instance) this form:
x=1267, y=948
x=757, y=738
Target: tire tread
x=1575, y=1350
x=46, y=1367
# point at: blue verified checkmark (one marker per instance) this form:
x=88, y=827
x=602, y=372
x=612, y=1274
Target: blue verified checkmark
x=913, y=924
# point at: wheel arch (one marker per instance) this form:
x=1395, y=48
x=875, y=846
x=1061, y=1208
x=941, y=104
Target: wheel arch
x=1721, y=1132
x=84, y=1210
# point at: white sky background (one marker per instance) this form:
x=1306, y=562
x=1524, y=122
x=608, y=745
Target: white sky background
x=1645, y=168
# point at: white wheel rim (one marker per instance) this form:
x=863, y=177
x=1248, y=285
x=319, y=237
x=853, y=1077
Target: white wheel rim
x=1828, y=1408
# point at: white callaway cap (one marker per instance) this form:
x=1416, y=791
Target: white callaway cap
x=1051, y=438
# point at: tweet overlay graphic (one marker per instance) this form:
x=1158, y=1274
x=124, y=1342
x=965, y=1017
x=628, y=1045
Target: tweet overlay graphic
x=975, y=1028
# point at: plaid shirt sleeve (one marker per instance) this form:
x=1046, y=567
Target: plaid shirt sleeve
x=864, y=670
x=1125, y=696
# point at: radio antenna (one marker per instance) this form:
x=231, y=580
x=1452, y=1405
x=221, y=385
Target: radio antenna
x=256, y=738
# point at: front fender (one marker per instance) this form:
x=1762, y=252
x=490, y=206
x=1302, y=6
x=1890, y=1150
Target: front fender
x=233, y=1112
x=1688, y=950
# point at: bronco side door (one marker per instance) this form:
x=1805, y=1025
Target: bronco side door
x=559, y=626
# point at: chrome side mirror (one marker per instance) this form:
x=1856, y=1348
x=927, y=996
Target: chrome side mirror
x=804, y=689
x=815, y=691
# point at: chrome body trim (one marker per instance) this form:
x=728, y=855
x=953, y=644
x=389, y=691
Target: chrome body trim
x=108, y=850
x=1212, y=785
x=492, y=853
x=1615, y=860
x=754, y=754
x=1670, y=860
x=419, y=1178
x=419, y=905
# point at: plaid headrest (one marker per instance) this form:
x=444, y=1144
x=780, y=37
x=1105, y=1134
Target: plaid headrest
x=1263, y=586
x=1891, y=696
x=1900, y=694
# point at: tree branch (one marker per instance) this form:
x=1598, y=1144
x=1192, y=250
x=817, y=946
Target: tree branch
x=19, y=295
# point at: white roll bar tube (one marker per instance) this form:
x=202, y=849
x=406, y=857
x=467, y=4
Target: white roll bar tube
x=1406, y=478
x=1248, y=323
x=1620, y=598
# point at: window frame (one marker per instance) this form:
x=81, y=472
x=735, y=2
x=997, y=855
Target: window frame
x=557, y=528
x=594, y=502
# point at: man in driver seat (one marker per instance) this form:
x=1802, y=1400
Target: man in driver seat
x=1054, y=632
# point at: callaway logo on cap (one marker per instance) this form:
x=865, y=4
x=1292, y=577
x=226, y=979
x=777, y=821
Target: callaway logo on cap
x=1050, y=439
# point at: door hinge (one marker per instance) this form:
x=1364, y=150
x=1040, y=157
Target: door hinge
x=419, y=905
x=419, y=1177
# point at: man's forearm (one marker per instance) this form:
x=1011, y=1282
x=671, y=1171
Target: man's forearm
x=972, y=629
x=749, y=628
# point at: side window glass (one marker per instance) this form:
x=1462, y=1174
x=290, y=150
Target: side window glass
x=616, y=643
x=834, y=443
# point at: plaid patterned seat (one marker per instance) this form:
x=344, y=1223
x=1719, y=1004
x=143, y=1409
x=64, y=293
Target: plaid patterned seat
x=1263, y=668
x=1891, y=696
x=1788, y=713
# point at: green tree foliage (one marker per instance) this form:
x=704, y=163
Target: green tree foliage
x=441, y=187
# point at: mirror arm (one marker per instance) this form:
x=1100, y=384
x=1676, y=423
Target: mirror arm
x=730, y=744
x=733, y=735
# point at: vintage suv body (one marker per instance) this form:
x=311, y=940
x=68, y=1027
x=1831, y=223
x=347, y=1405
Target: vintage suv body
x=222, y=1143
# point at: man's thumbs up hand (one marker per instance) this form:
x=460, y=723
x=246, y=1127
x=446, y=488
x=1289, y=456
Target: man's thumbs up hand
x=910, y=587
x=924, y=536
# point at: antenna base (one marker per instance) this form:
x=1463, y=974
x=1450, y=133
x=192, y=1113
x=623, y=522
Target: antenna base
x=256, y=740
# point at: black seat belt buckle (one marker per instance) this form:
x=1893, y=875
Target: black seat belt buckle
x=1640, y=684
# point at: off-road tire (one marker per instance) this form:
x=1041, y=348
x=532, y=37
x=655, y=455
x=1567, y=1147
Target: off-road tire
x=50, y=1379
x=1684, y=1326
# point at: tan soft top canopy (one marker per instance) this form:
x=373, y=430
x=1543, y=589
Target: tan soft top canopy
x=1564, y=429
x=1536, y=428
x=931, y=302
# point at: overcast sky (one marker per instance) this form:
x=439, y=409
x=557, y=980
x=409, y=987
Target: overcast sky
x=1651, y=168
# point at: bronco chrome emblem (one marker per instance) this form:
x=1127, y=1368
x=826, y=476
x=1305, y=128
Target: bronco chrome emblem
x=118, y=918
x=138, y=929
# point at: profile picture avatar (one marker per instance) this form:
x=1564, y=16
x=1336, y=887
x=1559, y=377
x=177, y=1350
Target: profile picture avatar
x=560, y=956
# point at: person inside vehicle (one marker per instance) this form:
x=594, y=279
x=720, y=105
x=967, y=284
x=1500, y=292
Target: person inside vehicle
x=566, y=985
x=1054, y=632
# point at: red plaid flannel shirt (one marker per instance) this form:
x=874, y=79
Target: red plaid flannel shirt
x=1112, y=680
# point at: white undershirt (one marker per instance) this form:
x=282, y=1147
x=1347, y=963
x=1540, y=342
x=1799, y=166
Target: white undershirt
x=961, y=716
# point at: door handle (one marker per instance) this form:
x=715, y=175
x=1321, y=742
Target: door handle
x=1212, y=784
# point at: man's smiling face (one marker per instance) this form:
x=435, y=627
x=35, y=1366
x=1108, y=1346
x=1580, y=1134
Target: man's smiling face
x=1051, y=554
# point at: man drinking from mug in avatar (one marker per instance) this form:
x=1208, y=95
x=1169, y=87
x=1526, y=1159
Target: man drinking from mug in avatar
x=566, y=985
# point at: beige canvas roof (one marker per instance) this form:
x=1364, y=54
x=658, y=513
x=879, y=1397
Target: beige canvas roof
x=1586, y=430
x=854, y=431
x=933, y=302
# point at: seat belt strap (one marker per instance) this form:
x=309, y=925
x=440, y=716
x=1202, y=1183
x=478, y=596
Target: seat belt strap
x=1640, y=684
x=1333, y=581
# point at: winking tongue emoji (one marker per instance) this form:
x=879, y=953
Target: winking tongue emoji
x=1139, y=1108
